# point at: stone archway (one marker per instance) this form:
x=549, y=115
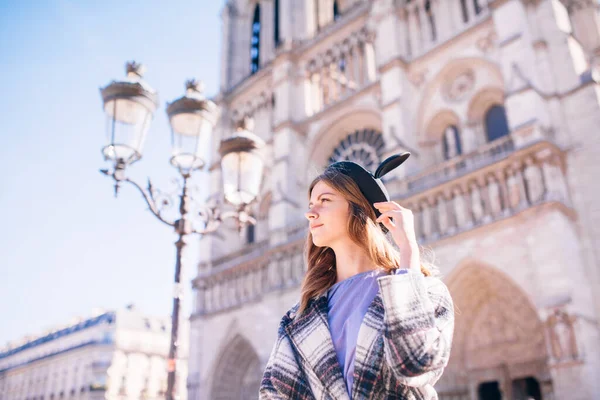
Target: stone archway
x=498, y=335
x=238, y=372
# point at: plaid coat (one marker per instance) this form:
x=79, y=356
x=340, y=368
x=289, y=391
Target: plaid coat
x=403, y=346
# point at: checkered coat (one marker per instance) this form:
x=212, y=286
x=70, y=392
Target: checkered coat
x=403, y=346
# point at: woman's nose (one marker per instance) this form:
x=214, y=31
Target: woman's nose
x=310, y=214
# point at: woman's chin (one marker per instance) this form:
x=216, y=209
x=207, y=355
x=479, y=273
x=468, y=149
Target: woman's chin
x=319, y=243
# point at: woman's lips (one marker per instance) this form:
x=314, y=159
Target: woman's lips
x=315, y=227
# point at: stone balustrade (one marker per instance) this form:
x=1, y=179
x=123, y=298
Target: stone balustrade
x=488, y=190
x=274, y=269
x=484, y=155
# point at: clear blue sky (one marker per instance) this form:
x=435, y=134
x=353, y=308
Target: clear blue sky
x=67, y=245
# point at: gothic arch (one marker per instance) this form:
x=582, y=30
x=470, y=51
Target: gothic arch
x=326, y=139
x=237, y=373
x=452, y=87
x=496, y=325
x=482, y=101
x=438, y=123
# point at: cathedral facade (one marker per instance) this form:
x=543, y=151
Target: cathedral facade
x=497, y=100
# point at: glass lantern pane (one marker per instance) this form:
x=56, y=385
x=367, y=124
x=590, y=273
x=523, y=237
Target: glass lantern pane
x=125, y=130
x=187, y=124
x=251, y=174
x=242, y=173
x=126, y=111
x=190, y=135
x=230, y=166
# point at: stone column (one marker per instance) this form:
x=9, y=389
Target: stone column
x=413, y=30
x=267, y=43
x=556, y=188
x=423, y=21
x=468, y=135
x=444, y=18
x=349, y=68
x=404, y=49
x=227, y=14
x=355, y=54
x=370, y=67
x=451, y=142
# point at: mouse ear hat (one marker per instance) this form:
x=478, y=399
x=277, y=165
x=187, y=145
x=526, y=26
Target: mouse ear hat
x=369, y=184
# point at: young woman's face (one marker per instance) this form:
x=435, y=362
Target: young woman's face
x=328, y=214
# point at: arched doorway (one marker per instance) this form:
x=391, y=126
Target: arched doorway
x=499, y=348
x=238, y=372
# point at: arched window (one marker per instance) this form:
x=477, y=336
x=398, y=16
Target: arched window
x=250, y=234
x=255, y=42
x=496, y=124
x=451, y=143
x=465, y=12
x=336, y=11
x=276, y=35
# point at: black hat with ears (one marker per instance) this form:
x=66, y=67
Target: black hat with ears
x=369, y=184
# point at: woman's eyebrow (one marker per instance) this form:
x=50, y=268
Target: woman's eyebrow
x=322, y=194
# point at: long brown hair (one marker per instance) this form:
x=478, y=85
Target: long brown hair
x=362, y=229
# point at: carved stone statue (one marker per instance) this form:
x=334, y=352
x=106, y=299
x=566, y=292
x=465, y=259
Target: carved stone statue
x=476, y=203
x=561, y=329
x=514, y=195
x=494, y=196
x=557, y=188
x=460, y=209
x=426, y=218
x=442, y=214
x=535, y=183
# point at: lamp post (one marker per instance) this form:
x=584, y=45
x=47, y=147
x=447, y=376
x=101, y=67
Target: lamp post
x=129, y=105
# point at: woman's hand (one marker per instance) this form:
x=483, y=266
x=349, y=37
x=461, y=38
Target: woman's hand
x=400, y=222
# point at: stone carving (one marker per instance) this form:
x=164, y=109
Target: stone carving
x=459, y=88
x=495, y=205
x=476, y=203
x=561, y=332
x=442, y=214
x=535, y=183
x=486, y=42
x=577, y=5
x=426, y=219
x=460, y=209
x=555, y=183
x=417, y=78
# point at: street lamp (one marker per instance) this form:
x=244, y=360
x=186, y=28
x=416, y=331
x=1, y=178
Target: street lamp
x=129, y=105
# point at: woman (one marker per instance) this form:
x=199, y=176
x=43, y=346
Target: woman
x=372, y=323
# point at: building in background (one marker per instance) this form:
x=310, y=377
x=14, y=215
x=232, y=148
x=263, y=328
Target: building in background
x=499, y=103
x=116, y=355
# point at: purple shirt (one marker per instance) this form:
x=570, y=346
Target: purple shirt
x=347, y=304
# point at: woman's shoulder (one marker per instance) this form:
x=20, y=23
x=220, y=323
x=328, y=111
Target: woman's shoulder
x=290, y=314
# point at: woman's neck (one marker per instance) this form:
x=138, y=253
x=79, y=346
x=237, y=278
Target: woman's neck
x=351, y=259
